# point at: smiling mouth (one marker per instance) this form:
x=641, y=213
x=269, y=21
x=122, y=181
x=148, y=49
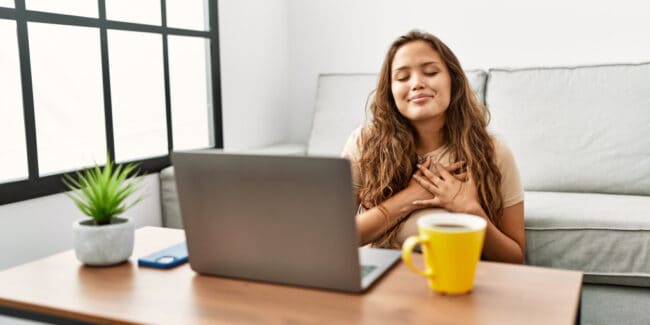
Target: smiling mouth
x=420, y=99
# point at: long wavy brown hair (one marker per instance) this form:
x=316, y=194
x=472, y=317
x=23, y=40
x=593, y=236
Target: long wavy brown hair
x=387, y=144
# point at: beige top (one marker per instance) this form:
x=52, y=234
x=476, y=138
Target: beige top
x=511, y=188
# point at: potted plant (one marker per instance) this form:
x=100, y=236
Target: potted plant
x=101, y=194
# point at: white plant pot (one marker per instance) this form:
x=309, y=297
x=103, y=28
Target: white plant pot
x=103, y=245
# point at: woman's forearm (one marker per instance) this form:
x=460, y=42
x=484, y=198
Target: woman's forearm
x=497, y=246
x=373, y=222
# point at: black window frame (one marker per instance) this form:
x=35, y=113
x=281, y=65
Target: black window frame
x=35, y=186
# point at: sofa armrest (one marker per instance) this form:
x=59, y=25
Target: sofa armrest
x=171, y=211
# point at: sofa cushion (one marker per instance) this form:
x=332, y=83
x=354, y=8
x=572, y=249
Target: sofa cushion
x=477, y=80
x=283, y=149
x=576, y=129
x=341, y=106
x=607, y=304
x=340, y=102
x=606, y=236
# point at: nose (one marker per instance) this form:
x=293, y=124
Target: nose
x=417, y=81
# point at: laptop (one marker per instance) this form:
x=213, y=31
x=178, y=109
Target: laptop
x=279, y=219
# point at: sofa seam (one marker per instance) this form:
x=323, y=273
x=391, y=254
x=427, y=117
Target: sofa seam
x=569, y=67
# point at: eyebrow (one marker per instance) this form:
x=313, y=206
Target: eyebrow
x=405, y=67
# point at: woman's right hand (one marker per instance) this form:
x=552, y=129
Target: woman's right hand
x=415, y=192
x=373, y=222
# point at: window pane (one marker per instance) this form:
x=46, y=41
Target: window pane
x=68, y=96
x=85, y=8
x=189, y=84
x=138, y=94
x=7, y=3
x=13, y=153
x=188, y=14
x=140, y=11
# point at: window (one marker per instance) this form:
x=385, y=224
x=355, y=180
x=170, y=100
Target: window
x=188, y=14
x=138, y=92
x=68, y=101
x=189, y=91
x=69, y=7
x=13, y=151
x=145, y=12
x=82, y=78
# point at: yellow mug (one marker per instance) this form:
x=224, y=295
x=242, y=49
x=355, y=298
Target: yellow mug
x=451, y=244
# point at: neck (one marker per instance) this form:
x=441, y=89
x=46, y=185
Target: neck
x=428, y=135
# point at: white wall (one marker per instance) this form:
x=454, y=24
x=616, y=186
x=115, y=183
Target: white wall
x=40, y=227
x=254, y=79
x=330, y=36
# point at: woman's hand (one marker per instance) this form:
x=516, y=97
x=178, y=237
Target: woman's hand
x=455, y=193
x=375, y=221
x=414, y=191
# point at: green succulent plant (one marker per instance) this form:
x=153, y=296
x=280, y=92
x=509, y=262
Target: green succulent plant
x=100, y=193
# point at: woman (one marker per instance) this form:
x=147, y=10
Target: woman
x=427, y=150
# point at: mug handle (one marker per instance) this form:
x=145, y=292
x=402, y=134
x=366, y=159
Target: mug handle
x=407, y=249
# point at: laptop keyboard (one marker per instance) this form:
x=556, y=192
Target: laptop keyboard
x=367, y=269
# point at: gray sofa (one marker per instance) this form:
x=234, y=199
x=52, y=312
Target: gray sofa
x=581, y=138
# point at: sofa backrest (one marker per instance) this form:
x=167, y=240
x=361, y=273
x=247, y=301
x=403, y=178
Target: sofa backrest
x=576, y=129
x=342, y=102
x=340, y=108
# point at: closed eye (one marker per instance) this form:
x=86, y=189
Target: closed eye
x=402, y=78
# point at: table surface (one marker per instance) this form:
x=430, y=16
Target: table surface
x=59, y=285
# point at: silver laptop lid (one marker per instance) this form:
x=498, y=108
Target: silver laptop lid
x=280, y=219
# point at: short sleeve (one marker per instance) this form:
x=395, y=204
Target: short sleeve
x=351, y=147
x=351, y=151
x=512, y=190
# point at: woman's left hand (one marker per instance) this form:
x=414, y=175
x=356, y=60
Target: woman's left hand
x=449, y=192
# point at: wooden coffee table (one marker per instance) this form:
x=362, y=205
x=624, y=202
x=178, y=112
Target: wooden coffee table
x=59, y=288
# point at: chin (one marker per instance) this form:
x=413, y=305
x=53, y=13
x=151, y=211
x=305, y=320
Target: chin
x=423, y=113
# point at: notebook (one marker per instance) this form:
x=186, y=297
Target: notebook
x=280, y=219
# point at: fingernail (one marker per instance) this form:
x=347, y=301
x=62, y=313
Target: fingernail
x=419, y=166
